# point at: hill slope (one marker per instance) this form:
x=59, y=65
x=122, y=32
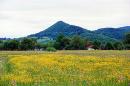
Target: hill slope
x=116, y=33
x=60, y=27
x=69, y=30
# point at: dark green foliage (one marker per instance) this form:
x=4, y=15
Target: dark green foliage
x=1, y=45
x=44, y=46
x=127, y=41
x=127, y=46
x=41, y=46
x=74, y=43
x=38, y=46
x=1, y=41
x=77, y=43
x=109, y=46
x=102, y=46
x=50, y=44
x=51, y=49
x=127, y=38
x=118, y=46
x=97, y=45
x=6, y=44
x=61, y=42
x=116, y=33
x=11, y=45
x=28, y=44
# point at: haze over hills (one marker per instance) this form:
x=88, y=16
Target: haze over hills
x=106, y=34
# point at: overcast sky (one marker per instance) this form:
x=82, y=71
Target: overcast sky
x=20, y=18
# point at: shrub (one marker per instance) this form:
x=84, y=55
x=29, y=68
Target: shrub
x=51, y=49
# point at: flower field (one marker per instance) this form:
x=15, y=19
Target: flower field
x=65, y=68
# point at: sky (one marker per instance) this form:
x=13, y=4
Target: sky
x=19, y=18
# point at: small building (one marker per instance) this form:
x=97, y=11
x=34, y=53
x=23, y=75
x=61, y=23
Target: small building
x=90, y=47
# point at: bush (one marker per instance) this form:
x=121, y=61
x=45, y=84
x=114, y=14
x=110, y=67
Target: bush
x=51, y=49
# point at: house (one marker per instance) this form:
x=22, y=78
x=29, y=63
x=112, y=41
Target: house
x=90, y=47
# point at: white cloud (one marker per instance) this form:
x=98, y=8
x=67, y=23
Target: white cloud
x=23, y=17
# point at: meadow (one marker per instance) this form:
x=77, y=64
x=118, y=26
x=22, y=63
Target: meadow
x=65, y=68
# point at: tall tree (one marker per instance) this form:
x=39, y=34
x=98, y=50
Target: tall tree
x=28, y=44
x=97, y=45
x=127, y=41
x=118, y=46
x=11, y=45
x=61, y=42
x=77, y=43
x=1, y=45
x=109, y=46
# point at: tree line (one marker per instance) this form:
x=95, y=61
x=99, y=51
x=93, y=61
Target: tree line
x=79, y=43
x=64, y=43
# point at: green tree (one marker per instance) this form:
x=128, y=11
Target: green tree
x=1, y=41
x=97, y=45
x=28, y=44
x=61, y=42
x=127, y=41
x=52, y=49
x=41, y=46
x=1, y=45
x=118, y=46
x=5, y=45
x=50, y=44
x=102, y=46
x=109, y=46
x=11, y=45
x=77, y=43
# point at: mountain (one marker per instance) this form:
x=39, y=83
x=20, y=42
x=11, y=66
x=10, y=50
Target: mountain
x=5, y=38
x=116, y=33
x=69, y=30
x=60, y=27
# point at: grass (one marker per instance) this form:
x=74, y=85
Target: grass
x=65, y=68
